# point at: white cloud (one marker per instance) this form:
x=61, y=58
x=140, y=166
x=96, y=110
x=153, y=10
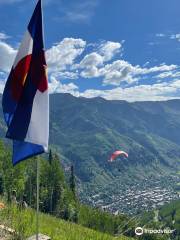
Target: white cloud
x=9, y=1
x=160, y=35
x=164, y=75
x=92, y=63
x=175, y=36
x=3, y=36
x=56, y=86
x=63, y=58
x=81, y=11
x=77, y=16
x=90, y=72
x=169, y=74
x=7, y=54
x=122, y=71
x=117, y=72
x=109, y=49
x=114, y=73
x=3, y=77
x=67, y=60
x=163, y=67
x=1, y=86
x=90, y=60
x=64, y=53
x=65, y=75
x=156, y=92
x=18, y=1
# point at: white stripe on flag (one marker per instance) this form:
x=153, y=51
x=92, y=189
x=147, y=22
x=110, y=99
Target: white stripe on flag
x=38, y=131
x=25, y=48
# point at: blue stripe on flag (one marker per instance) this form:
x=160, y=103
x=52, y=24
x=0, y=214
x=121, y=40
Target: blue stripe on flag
x=8, y=103
x=23, y=150
x=22, y=116
x=35, y=28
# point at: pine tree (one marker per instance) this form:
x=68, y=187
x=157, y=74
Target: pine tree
x=52, y=181
x=50, y=157
x=72, y=181
x=1, y=185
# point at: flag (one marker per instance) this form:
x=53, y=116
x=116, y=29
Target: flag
x=25, y=98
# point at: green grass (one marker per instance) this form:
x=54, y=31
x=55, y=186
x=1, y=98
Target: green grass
x=24, y=222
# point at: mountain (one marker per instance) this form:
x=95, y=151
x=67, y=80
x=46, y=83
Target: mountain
x=86, y=131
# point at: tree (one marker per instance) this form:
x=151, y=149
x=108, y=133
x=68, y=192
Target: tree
x=1, y=185
x=13, y=177
x=30, y=189
x=72, y=181
x=52, y=181
x=50, y=157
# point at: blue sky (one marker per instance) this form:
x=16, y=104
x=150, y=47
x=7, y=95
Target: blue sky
x=117, y=49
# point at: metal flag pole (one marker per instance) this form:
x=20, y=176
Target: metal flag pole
x=38, y=172
x=37, y=198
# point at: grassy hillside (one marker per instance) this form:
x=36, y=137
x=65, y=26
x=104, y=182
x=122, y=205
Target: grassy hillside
x=23, y=221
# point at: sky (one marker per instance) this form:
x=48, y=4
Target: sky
x=115, y=49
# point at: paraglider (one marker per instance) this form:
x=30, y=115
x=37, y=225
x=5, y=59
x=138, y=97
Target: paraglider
x=116, y=154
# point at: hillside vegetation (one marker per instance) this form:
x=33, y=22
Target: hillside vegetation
x=23, y=221
x=167, y=216
x=84, y=133
x=57, y=197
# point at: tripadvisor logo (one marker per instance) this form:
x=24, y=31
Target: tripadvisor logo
x=140, y=231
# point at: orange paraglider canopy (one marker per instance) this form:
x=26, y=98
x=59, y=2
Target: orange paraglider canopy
x=116, y=154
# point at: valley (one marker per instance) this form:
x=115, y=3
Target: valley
x=135, y=198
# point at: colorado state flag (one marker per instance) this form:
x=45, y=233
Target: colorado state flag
x=25, y=98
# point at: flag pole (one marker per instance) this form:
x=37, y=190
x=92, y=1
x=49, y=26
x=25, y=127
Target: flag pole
x=37, y=184
x=37, y=198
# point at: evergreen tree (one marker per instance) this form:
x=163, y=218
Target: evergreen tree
x=13, y=177
x=50, y=157
x=52, y=181
x=72, y=181
x=30, y=184
x=1, y=185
